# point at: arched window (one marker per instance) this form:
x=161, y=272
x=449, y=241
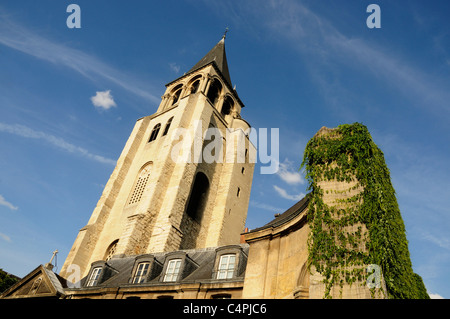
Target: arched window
x=166, y=129
x=302, y=289
x=141, y=183
x=195, y=86
x=198, y=198
x=155, y=132
x=111, y=250
x=227, y=106
x=214, y=91
x=177, y=94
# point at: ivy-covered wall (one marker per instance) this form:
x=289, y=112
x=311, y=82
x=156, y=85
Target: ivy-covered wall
x=348, y=154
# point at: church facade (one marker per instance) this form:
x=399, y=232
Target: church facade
x=170, y=224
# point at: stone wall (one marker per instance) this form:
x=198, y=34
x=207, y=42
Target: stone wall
x=157, y=221
x=276, y=258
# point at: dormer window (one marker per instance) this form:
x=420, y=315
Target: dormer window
x=141, y=273
x=226, y=266
x=145, y=269
x=94, y=277
x=100, y=272
x=229, y=262
x=173, y=270
x=177, y=266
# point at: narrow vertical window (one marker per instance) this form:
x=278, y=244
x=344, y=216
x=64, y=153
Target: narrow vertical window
x=141, y=273
x=227, y=106
x=173, y=269
x=238, y=192
x=226, y=266
x=155, y=132
x=176, y=97
x=141, y=184
x=198, y=197
x=176, y=94
x=195, y=86
x=214, y=92
x=95, y=275
x=166, y=129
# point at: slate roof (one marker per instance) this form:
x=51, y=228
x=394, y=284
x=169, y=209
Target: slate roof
x=289, y=214
x=57, y=281
x=218, y=56
x=51, y=285
x=120, y=268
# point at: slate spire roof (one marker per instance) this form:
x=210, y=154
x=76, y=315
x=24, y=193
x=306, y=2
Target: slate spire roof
x=216, y=55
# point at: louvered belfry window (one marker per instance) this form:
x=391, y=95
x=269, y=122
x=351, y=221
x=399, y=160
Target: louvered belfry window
x=141, y=184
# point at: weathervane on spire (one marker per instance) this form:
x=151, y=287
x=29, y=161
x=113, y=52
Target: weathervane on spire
x=225, y=33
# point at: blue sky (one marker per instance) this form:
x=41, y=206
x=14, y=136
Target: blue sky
x=297, y=66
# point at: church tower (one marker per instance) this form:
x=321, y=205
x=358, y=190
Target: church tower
x=183, y=179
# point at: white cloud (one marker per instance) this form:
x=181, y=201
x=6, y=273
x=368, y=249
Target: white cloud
x=283, y=193
x=27, y=132
x=441, y=242
x=15, y=36
x=4, y=202
x=316, y=36
x=5, y=237
x=435, y=296
x=103, y=100
x=174, y=67
x=287, y=173
x=266, y=207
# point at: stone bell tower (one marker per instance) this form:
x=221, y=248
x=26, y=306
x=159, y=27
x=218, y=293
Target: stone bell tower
x=183, y=179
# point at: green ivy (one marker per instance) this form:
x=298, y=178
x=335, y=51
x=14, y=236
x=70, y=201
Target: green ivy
x=348, y=153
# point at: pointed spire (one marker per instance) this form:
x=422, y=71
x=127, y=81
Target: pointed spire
x=216, y=55
x=225, y=33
